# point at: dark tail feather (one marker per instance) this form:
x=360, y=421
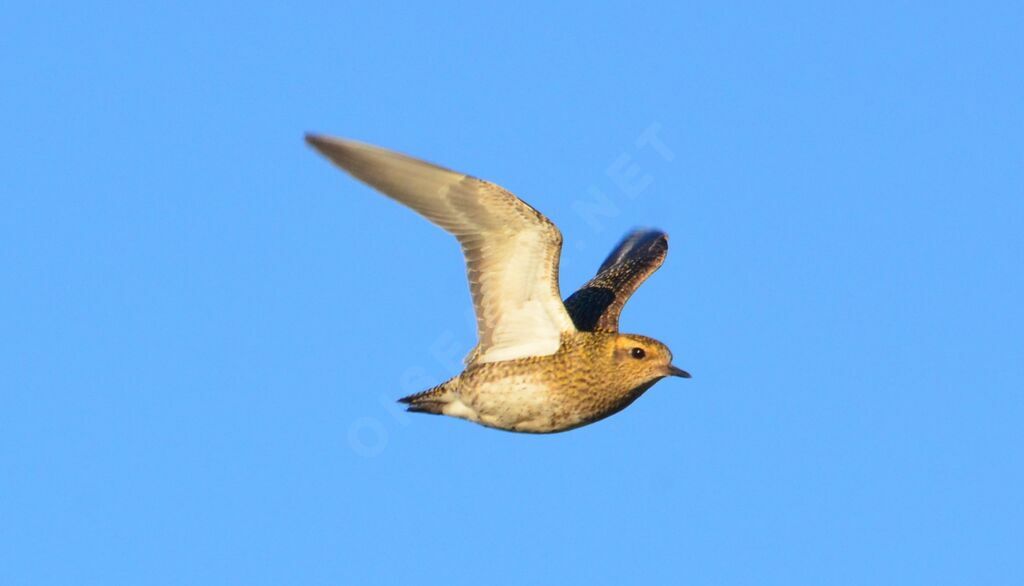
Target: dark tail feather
x=431, y=407
x=431, y=400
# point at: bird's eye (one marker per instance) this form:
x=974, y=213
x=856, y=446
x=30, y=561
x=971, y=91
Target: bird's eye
x=637, y=353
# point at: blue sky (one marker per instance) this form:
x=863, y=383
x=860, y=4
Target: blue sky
x=205, y=325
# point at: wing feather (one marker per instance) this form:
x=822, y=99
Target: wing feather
x=512, y=250
x=598, y=304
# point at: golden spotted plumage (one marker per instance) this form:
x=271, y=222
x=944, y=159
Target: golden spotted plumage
x=541, y=365
x=592, y=376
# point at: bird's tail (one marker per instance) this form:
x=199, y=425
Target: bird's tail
x=432, y=400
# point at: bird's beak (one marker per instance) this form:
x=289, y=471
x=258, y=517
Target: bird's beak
x=671, y=370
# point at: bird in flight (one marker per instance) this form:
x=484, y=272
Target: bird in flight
x=541, y=365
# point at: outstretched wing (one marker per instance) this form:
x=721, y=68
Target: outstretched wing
x=597, y=305
x=511, y=249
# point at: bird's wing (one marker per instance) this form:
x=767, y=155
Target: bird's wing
x=597, y=305
x=511, y=250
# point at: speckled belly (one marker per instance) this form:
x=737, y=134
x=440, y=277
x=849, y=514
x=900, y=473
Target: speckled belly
x=517, y=404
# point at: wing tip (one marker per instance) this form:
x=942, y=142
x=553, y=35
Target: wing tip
x=649, y=235
x=347, y=154
x=651, y=240
x=322, y=142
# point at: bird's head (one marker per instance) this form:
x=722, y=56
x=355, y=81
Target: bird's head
x=644, y=359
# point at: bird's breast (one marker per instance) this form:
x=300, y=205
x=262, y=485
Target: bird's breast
x=540, y=398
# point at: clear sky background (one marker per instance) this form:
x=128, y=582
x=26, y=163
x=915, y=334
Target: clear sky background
x=204, y=325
